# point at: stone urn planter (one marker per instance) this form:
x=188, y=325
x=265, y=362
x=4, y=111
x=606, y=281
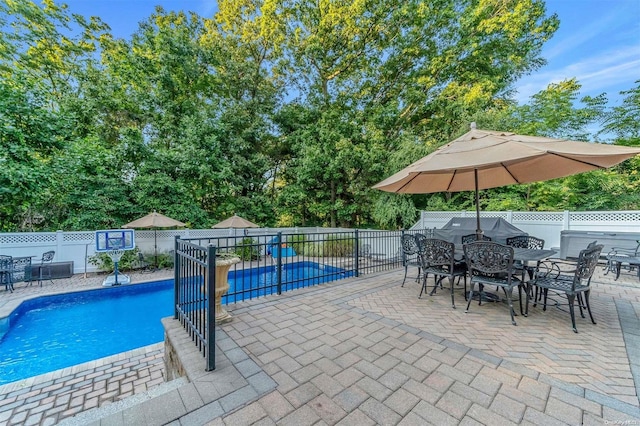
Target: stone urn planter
x=223, y=264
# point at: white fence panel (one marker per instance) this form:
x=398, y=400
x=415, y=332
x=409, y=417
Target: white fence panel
x=78, y=246
x=547, y=225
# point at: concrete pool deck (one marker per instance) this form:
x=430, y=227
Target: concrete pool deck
x=360, y=351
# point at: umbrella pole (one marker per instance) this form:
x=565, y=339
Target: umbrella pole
x=478, y=229
x=155, y=248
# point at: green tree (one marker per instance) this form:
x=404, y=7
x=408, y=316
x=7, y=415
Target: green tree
x=381, y=77
x=30, y=136
x=42, y=53
x=624, y=120
x=558, y=112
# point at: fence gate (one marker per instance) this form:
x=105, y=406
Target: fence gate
x=194, y=295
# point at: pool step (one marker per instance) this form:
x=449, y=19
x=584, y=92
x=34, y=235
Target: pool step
x=96, y=414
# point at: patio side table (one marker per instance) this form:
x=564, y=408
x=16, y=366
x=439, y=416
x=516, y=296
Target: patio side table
x=616, y=262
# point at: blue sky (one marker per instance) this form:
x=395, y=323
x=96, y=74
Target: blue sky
x=598, y=41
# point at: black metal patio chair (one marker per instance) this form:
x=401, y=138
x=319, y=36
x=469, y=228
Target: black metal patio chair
x=6, y=272
x=491, y=263
x=45, y=267
x=571, y=286
x=409, y=247
x=437, y=257
x=619, y=256
x=143, y=264
x=527, y=242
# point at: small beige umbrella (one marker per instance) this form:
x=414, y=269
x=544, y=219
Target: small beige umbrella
x=154, y=221
x=235, y=221
x=482, y=159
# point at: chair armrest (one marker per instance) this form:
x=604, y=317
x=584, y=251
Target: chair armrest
x=625, y=251
x=620, y=251
x=555, y=268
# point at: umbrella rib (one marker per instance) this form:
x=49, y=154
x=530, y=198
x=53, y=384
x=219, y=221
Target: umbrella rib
x=515, y=179
x=453, y=176
x=597, y=166
x=407, y=183
x=577, y=161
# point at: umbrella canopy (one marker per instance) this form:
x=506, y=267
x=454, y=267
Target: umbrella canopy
x=482, y=159
x=235, y=221
x=154, y=220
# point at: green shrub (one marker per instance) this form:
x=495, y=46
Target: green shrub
x=128, y=261
x=311, y=249
x=338, y=246
x=298, y=242
x=247, y=249
x=165, y=260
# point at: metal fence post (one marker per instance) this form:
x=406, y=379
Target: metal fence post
x=211, y=308
x=402, y=254
x=279, y=264
x=356, y=246
x=177, y=279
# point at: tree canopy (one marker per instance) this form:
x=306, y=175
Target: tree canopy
x=283, y=112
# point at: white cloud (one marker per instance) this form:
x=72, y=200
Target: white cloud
x=598, y=43
x=608, y=72
x=578, y=38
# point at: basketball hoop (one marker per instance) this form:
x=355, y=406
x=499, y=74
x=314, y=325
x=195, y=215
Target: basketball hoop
x=115, y=255
x=114, y=243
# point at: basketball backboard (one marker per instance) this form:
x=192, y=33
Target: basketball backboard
x=115, y=239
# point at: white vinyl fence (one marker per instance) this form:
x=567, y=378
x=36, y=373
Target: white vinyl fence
x=547, y=225
x=79, y=246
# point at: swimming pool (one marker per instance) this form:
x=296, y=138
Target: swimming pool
x=53, y=332
x=249, y=283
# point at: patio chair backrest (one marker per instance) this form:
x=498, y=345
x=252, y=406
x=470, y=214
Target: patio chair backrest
x=526, y=242
x=488, y=258
x=47, y=257
x=6, y=262
x=437, y=253
x=409, y=244
x=586, y=265
x=473, y=237
x=420, y=238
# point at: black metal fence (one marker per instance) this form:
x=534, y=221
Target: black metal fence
x=271, y=264
x=194, y=270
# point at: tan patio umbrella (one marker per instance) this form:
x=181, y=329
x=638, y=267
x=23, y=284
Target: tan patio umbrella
x=154, y=221
x=235, y=221
x=482, y=159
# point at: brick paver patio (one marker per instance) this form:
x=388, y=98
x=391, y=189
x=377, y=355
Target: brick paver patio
x=363, y=351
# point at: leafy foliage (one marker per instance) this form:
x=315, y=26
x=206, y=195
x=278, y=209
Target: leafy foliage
x=128, y=261
x=338, y=246
x=287, y=112
x=248, y=249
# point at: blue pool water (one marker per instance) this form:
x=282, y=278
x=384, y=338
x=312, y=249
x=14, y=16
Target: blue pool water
x=53, y=332
x=254, y=282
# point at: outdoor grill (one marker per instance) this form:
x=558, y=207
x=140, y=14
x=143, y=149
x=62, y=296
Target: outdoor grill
x=496, y=228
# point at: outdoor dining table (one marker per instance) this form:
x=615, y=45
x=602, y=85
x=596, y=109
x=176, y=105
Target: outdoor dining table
x=532, y=255
x=524, y=255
